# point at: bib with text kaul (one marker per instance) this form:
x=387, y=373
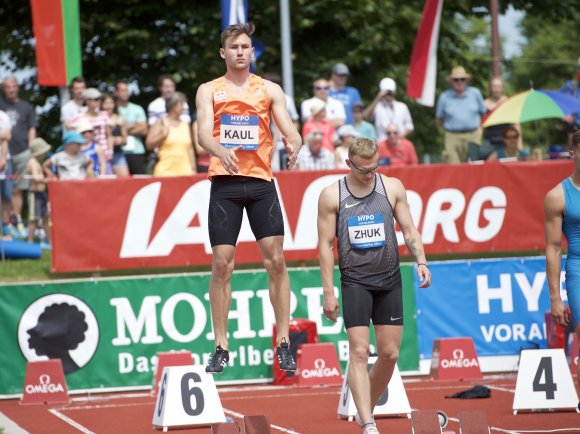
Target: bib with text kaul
x=239, y=130
x=366, y=231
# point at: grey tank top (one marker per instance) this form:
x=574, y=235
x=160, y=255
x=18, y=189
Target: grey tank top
x=367, y=245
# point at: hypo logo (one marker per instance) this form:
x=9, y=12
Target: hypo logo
x=459, y=361
x=59, y=326
x=44, y=385
x=320, y=370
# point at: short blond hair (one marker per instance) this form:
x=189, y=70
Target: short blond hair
x=363, y=147
x=237, y=30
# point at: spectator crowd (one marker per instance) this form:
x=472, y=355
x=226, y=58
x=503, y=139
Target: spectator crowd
x=107, y=135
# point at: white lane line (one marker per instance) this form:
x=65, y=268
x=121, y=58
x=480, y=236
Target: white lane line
x=70, y=421
x=10, y=427
x=503, y=389
x=276, y=427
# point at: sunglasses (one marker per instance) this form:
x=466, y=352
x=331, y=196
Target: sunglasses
x=511, y=137
x=362, y=170
x=458, y=79
x=392, y=133
x=321, y=87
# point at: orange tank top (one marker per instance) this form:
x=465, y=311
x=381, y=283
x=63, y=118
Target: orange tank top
x=243, y=120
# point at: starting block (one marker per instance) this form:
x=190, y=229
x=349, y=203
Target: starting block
x=426, y=422
x=187, y=397
x=257, y=425
x=171, y=358
x=455, y=359
x=473, y=422
x=44, y=383
x=225, y=428
x=318, y=365
x=393, y=401
x=544, y=382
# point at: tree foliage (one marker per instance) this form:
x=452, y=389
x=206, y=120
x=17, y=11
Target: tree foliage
x=139, y=40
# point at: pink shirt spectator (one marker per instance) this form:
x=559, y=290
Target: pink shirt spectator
x=99, y=123
x=326, y=128
x=403, y=154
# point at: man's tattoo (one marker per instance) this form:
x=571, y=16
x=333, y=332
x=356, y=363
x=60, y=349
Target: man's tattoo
x=416, y=251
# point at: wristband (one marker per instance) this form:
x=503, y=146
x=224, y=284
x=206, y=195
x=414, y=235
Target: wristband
x=422, y=263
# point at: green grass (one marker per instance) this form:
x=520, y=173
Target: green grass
x=29, y=270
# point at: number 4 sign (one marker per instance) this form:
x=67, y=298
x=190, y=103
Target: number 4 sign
x=544, y=382
x=187, y=397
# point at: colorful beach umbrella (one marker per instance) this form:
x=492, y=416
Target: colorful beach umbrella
x=533, y=105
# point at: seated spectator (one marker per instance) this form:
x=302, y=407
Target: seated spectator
x=346, y=134
x=118, y=135
x=396, y=150
x=365, y=129
x=174, y=138
x=314, y=156
x=90, y=147
x=319, y=123
x=70, y=163
x=37, y=194
x=510, y=150
x=334, y=109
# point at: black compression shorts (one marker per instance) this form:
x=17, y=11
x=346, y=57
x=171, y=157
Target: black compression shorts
x=230, y=195
x=360, y=305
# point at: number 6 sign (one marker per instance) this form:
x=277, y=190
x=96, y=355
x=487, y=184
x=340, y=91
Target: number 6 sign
x=544, y=382
x=187, y=397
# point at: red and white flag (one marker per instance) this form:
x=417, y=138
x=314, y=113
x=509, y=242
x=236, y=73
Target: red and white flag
x=423, y=67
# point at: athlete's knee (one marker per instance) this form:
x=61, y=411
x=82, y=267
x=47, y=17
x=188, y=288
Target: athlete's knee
x=359, y=353
x=275, y=264
x=388, y=354
x=222, y=267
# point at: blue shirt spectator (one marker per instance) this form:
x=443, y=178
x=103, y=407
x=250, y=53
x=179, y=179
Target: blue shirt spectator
x=572, y=88
x=460, y=112
x=347, y=95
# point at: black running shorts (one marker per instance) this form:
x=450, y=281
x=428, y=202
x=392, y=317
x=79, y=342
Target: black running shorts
x=360, y=305
x=229, y=196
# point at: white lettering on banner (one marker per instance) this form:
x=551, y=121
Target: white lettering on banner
x=44, y=386
x=444, y=208
x=168, y=317
x=242, y=314
x=512, y=332
x=126, y=320
x=531, y=292
x=314, y=305
x=435, y=215
x=503, y=293
x=320, y=370
x=494, y=215
x=268, y=318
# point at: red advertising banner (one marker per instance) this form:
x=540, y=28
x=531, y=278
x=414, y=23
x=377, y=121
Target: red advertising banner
x=162, y=222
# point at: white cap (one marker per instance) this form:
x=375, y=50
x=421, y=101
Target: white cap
x=317, y=106
x=388, y=84
x=347, y=130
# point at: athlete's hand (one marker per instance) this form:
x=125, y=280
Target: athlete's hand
x=291, y=151
x=424, y=275
x=560, y=313
x=229, y=159
x=331, y=307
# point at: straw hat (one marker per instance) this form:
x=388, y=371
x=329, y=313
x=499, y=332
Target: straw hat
x=458, y=72
x=39, y=147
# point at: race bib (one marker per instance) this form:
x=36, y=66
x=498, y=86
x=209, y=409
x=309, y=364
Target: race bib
x=366, y=231
x=236, y=130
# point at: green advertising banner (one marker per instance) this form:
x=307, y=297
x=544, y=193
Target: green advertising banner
x=107, y=332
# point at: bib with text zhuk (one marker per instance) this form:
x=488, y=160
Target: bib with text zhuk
x=239, y=130
x=366, y=231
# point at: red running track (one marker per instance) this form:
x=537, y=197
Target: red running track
x=307, y=410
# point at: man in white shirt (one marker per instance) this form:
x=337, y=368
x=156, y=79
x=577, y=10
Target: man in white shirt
x=75, y=105
x=334, y=108
x=385, y=110
x=156, y=108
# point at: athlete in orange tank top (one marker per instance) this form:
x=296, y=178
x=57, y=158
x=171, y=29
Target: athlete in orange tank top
x=243, y=119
